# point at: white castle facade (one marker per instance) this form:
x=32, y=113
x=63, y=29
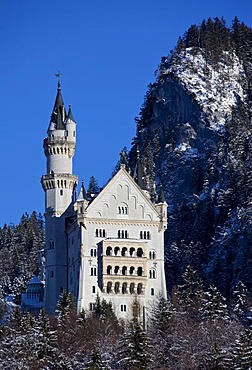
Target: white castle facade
x=111, y=245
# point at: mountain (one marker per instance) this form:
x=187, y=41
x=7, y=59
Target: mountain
x=194, y=136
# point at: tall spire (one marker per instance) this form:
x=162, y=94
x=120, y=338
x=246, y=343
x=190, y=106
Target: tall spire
x=139, y=173
x=59, y=113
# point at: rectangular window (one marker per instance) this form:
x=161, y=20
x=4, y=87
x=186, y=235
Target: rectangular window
x=123, y=307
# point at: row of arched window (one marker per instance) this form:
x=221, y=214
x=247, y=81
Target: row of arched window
x=116, y=270
x=122, y=234
x=124, y=252
x=57, y=150
x=124, y=288
x=124, y=270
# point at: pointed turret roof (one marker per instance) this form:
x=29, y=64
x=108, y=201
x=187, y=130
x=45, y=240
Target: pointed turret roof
x=70, y=114
x=82, y=193
x=59, y=113
x=161, y=197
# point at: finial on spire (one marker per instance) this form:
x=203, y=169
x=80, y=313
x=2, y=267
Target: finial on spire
x=58, y=77
x=123, y=158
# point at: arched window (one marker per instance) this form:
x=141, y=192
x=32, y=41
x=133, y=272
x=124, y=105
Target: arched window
x=132, y=251
x=141, y=235
x=132, y=268
x=116, y=270
x=152, y=255
x=93, y=271
x=93, y=289
x=139, y=288
x=109, y=270
x=124, y=288
x=124, y=251
x=117, y=287
x=132, y=288
x=109, y=251
x=139, y=271
x=97, y=232
x=152, y=274
x=116, y=251
x=152, y=291
x=109, y=287
x=119, y=210
x=139, y=252
x=124, y=270
x=148, y=235
x=103, y=233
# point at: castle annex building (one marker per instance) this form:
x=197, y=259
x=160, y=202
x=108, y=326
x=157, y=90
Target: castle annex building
x=112, y=244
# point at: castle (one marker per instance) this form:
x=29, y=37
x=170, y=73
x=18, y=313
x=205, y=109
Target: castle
x=111, y=245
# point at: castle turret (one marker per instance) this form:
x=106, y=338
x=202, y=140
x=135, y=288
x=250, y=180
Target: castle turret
x=59, y=185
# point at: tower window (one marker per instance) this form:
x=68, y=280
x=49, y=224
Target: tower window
x=93, y=252
x=51, y=244
x=93, y=289
x=152, y=291
x=123, y=307
x=93, y=271
x=152, y=274
x=61, y=192
x=52, y=273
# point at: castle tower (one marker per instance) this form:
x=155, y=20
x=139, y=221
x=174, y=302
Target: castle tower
x=59, y=185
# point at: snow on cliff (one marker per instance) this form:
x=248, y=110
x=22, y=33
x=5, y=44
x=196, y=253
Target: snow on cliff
x=217, y=88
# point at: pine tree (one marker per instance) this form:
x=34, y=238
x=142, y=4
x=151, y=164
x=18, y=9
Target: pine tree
x=191, y=292
x=134, y=348
x=240, y=295
x=243, y=351
x=162, y=314
x=214, y=306
x=93, y=188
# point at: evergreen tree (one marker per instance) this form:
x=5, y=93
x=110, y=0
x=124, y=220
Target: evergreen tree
x=93, y=188
x=214, y=306
x=162, y=314
x=243, y=351
x=190, y=293
x=134, y=348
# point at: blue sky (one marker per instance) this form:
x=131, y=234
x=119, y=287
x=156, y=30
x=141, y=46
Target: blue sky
x=107, y=52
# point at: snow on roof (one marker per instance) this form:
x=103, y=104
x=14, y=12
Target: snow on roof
x=35, y=280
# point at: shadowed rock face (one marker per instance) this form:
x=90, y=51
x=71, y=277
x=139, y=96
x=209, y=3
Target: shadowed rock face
x=194, y=134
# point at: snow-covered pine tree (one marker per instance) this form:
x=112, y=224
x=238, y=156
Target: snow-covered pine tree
x=241, y=307
x=242, y=351
x=214, y=306
x=134, y=350
x=191, y=292
x=161, y=316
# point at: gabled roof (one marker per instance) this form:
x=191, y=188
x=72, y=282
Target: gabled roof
x=122, y=171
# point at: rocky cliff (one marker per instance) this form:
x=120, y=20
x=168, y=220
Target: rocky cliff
x=194, y=135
